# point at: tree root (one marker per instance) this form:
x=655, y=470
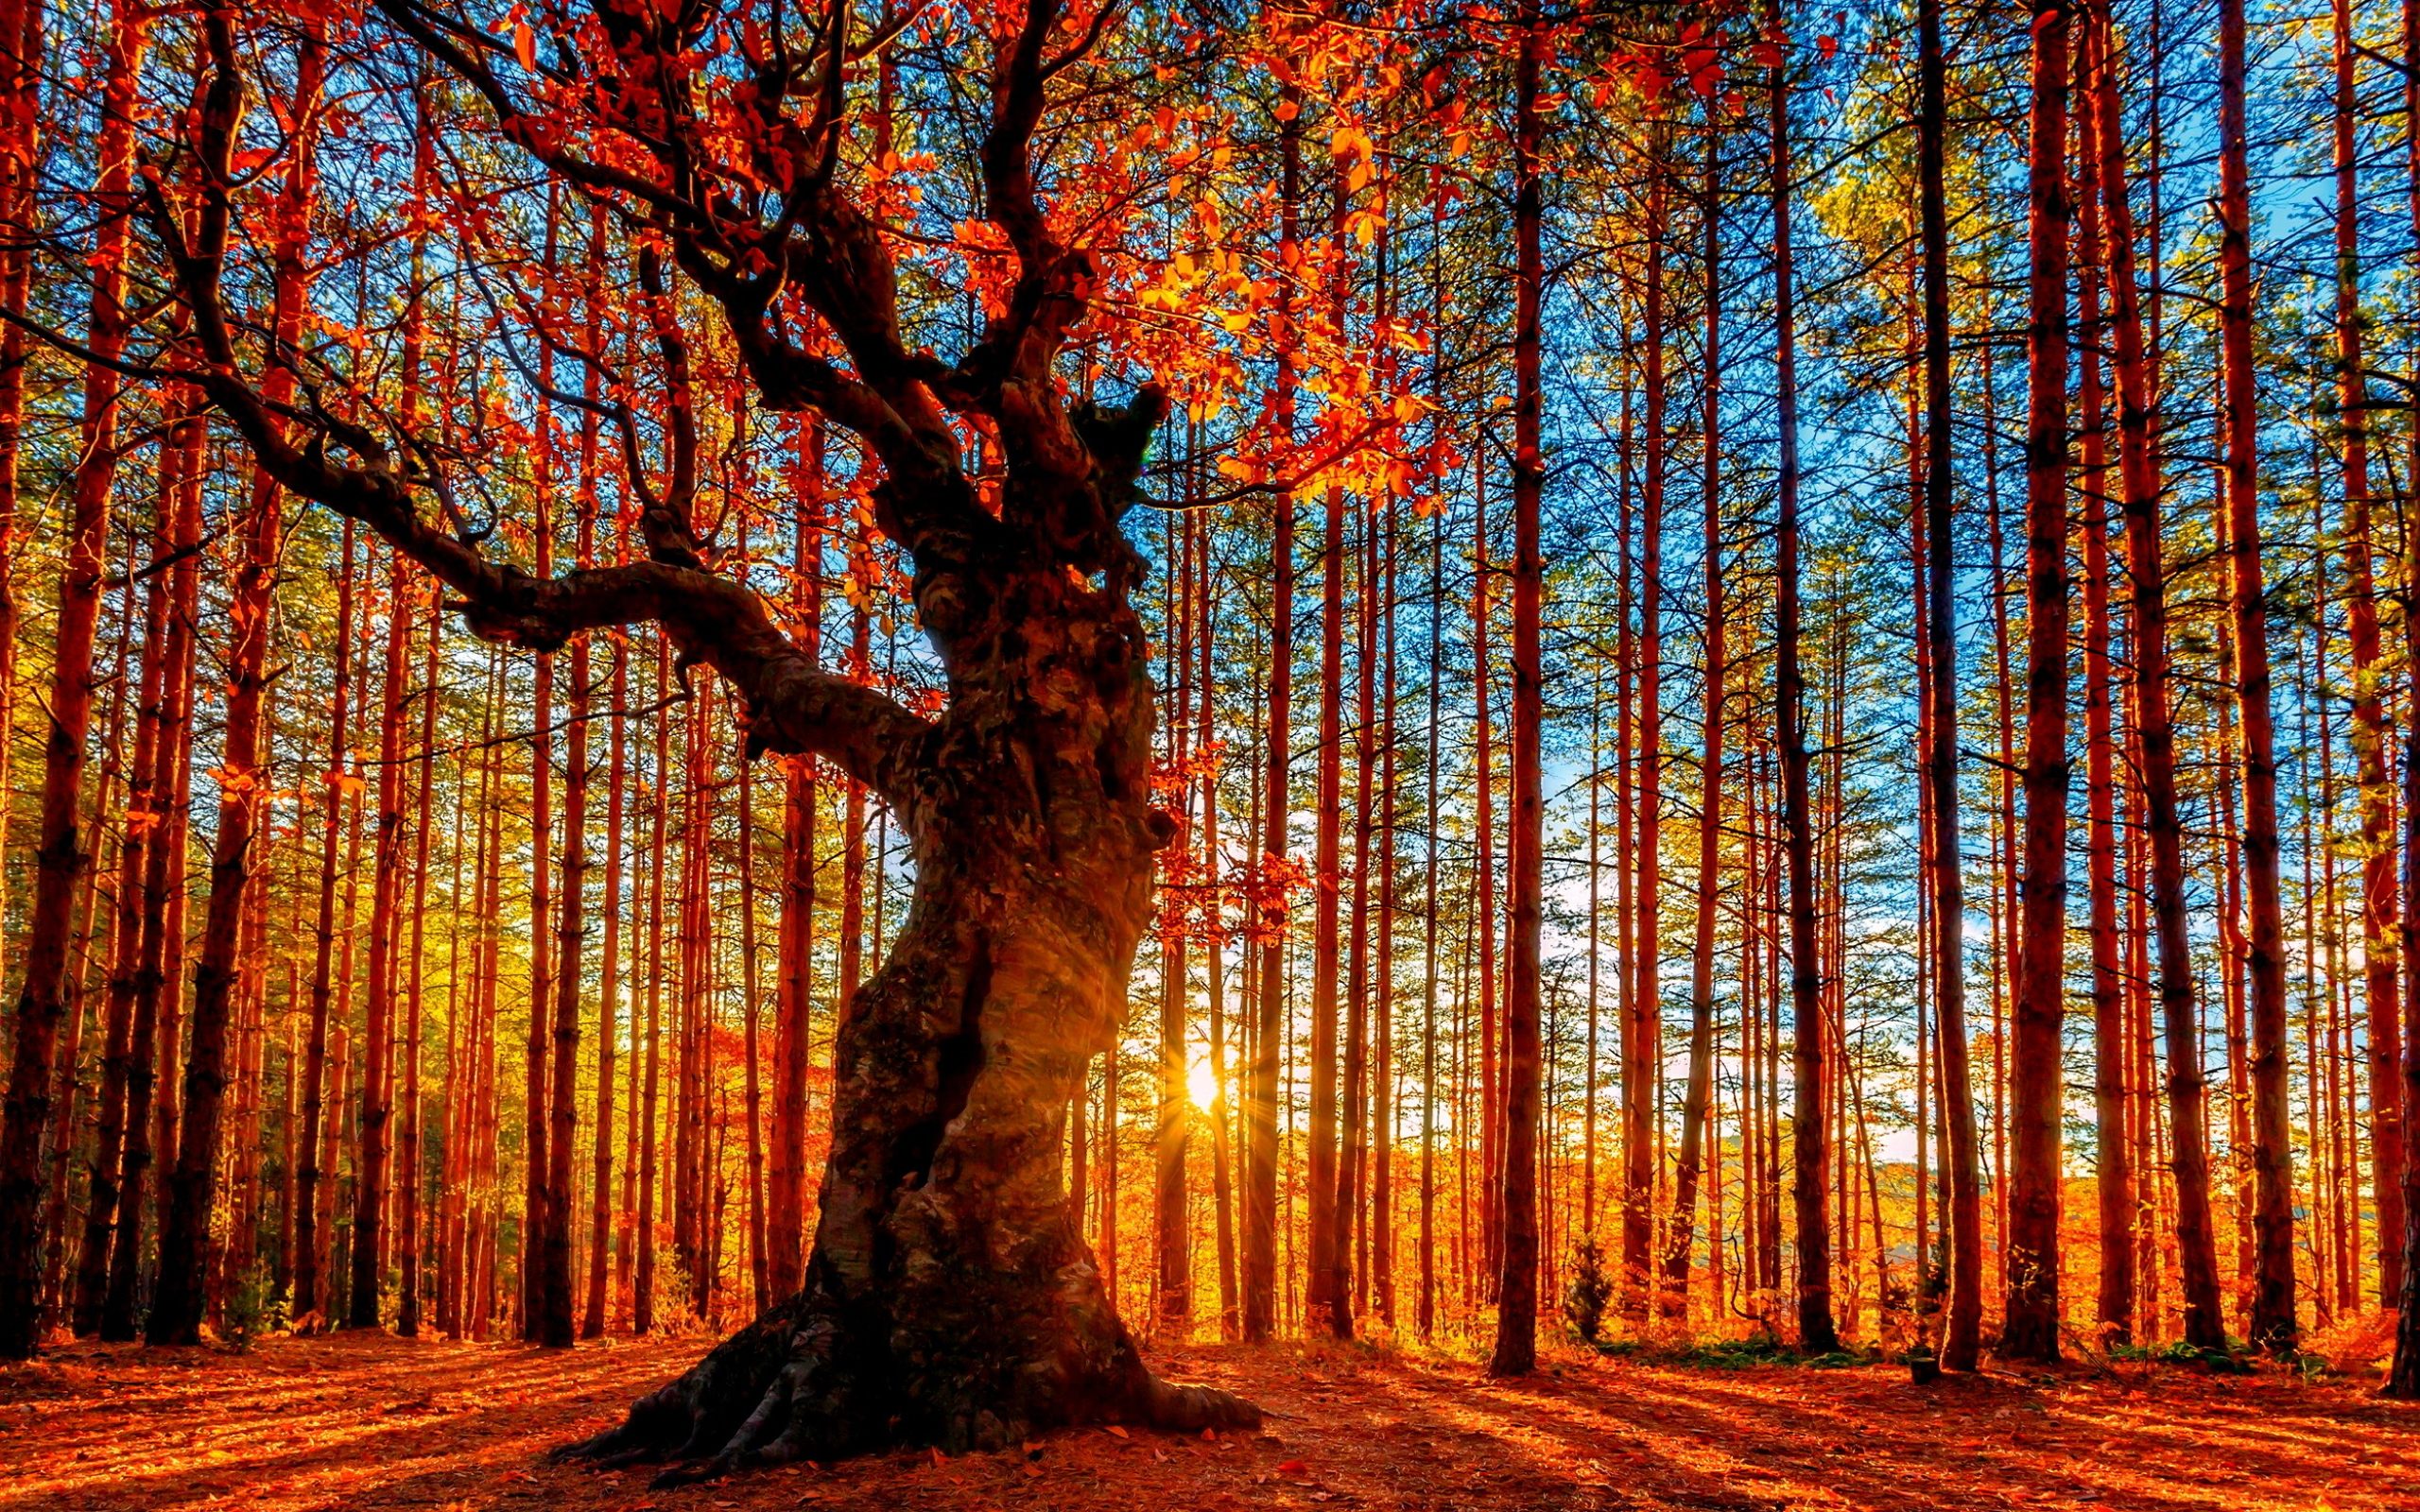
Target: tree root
x=778, y=1391
x=1191, y=1409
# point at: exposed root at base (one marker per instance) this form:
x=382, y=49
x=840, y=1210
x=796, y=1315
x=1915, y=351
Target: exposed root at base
x=688, y=1423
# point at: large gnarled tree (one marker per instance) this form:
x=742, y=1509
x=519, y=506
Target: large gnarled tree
x=948, y=1298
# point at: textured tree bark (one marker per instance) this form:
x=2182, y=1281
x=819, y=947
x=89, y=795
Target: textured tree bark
x=1323, y=1305
x=150, y=1129
x=609, y=997
x=752, y=1077
x=949, y=1299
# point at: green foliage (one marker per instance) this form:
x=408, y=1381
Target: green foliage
x=254, y=1306
x=2229, y=1360
x=1756, y=1350
x=1590, y=1288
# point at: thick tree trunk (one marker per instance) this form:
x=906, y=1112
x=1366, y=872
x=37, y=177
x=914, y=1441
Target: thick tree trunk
x=949, y=1297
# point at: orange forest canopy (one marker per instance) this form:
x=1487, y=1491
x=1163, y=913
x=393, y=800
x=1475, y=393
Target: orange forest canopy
x=963, y=693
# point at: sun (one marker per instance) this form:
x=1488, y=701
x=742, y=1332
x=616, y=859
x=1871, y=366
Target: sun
x=1202, y=1083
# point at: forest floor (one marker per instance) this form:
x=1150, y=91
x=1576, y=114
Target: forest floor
x=360, y=1421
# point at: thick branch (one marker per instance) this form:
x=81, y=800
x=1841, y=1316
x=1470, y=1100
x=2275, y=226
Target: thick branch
x=790, y=705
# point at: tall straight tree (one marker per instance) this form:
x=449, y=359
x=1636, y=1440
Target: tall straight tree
x=177, y=1301
x=2035, y=1075
x=2379, y=902
x=1681, y=1233
x=2156, y=738
x=793, y=1011
x=2403, y=1376
x=20, y=80
x=2273, y=1323
x=1947, y=891
x=376, y=1105
x=1326, y=1308
x=2113, y=1155
x=1642, y=1020
x=1817, y=1333
x=61, y=853
x=1173, y=1278
x=1269, y=994
x=1516, y=1314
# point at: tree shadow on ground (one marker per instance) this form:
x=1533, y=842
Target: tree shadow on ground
x=371, y=1422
